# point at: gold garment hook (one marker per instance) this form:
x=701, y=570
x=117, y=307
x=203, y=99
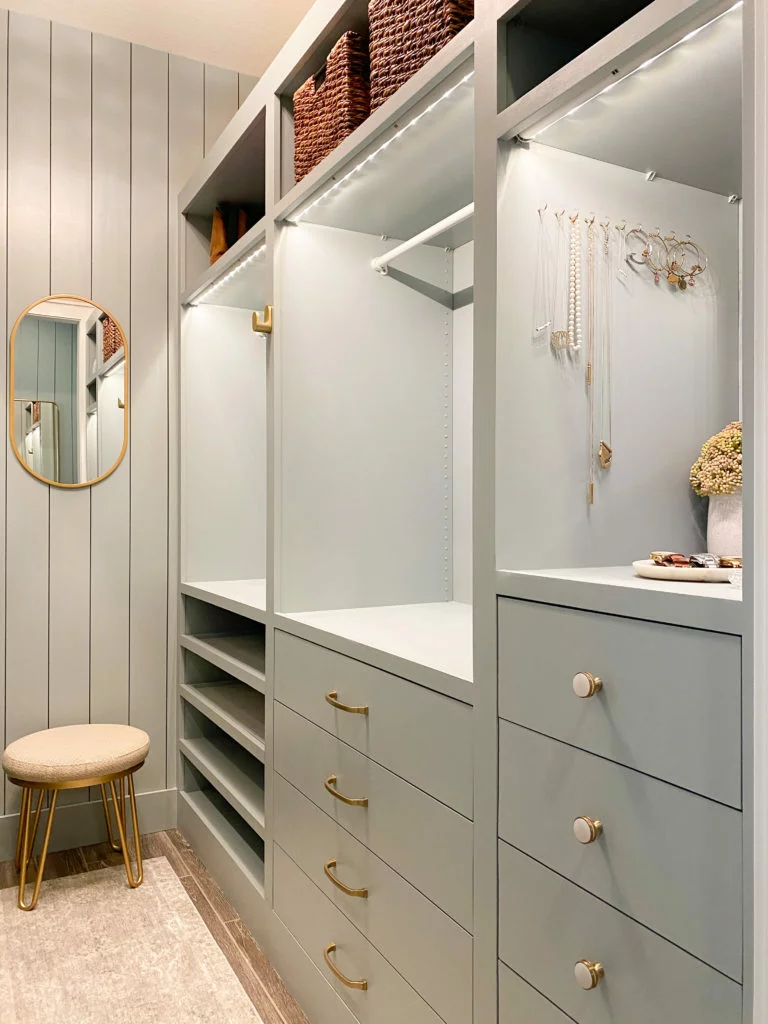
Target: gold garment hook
x=590, y=219
x=574, y=218
x=263, y=326
x=543, y=209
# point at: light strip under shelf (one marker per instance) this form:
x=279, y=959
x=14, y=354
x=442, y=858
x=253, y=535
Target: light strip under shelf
x=385, y=145
x=229, y=275
x=641, y=67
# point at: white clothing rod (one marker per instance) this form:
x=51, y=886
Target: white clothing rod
x=381, y=263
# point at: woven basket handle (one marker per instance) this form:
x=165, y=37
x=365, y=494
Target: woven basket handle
x=318, y=78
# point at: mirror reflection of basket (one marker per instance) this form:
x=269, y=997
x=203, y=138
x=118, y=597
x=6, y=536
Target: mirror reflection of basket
x=405, y=34
x=112, y=338
x=331, y=104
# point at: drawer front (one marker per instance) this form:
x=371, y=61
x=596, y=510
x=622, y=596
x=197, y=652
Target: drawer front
x=416, y=937
x=547, y=924
x=421, y=736
x=521, y=1004
x=423, y=840
x=670, y=704
x=668, y=858
x=316, y=923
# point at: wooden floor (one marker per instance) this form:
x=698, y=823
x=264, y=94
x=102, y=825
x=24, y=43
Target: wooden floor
x=256, y=974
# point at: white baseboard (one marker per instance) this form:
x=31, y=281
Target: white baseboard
x=83, y=824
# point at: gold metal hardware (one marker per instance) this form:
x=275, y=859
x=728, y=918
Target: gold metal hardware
x=605, y=453
x=332, y=698
x=362, y=984
x=120, y=403
x=263, y=326
x=29, y=819
x=588, y=974
x=327, y=868
x=594, y=829
x=586, y=685
x=329, y=784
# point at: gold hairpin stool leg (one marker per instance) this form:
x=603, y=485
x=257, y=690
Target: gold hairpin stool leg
x=120, y=804
x=26, y=841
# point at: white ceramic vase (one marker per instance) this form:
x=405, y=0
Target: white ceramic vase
x=724, y=530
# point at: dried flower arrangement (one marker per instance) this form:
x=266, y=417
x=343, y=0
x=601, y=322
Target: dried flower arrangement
x=718, y=468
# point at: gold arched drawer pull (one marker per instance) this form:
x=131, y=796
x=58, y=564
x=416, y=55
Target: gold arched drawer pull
x=332, y=698
x=353, y=801
x=362, y=984
x=362, y=893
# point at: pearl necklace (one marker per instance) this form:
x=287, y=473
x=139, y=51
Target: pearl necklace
x=575, y=333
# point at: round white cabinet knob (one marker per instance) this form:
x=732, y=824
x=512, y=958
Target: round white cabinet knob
x=586, y=685
x=587, y=829
x=587, y=974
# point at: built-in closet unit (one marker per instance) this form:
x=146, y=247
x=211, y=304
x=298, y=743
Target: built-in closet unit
x=448, y=756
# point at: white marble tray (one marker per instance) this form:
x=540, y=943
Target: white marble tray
x=649, y=570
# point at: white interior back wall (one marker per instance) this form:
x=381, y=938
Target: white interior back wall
x=100, y=136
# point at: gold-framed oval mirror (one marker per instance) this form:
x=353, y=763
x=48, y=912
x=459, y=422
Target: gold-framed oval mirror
x=68, y=391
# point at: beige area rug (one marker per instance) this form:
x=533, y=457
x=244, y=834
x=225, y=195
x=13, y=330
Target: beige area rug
x=96, y=952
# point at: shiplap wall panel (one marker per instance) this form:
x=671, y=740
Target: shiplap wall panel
x=3, y=362
x=111, y=286
x=101, y=135
x=221, y=101
x=27, y=500
x=149, y=405
x=186, y=148
x=70, y=529
x=245, y=84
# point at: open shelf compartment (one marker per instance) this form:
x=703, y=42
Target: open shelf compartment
x=207, y=807
x=230, y=642
x=234, y=706
x=382, y=180
x=649, y=334
x=375, y=444
x=229, y=768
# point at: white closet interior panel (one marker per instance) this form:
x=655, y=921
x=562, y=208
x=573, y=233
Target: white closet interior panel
x=366, y=423
x=675, y=367
x=224, y=424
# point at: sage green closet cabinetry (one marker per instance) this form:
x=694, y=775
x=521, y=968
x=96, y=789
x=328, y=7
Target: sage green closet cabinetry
x=449, y=756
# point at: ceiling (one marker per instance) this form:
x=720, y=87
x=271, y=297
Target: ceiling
x=242, y=35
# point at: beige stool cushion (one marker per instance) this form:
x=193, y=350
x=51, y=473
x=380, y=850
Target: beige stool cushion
x=73, y=752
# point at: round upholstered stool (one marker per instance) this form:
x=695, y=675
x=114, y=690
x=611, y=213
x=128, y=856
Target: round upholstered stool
x=73, y=757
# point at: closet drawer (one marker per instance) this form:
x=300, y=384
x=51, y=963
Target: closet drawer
x=423, y=840
x=521, y=1004
x=316, y=923
x=417, y=938
x=670, y=704
x=668, y=858
x=548, y=924
x=421, y=736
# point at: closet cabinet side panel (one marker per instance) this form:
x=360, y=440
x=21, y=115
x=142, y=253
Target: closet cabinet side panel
x=149, y=405
x=224, y=450
x=27, y=500
x=70, y=568
x=663, y=338
x=186, y=148
x=364, y=413
x=111, y=283
x=462, y=422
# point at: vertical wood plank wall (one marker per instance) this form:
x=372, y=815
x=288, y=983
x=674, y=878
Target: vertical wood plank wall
x=100, y=137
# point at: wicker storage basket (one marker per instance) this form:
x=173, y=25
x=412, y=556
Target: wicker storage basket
x=405, y=34
x=112, y=338
x=330, y=105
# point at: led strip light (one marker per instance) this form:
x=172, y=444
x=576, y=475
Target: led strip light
x=229, y=275
x=640, y=67
x=385, y=145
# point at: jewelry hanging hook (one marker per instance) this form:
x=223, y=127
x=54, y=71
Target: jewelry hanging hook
x=574, y=218
x=543, y=209
x=622, y=226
